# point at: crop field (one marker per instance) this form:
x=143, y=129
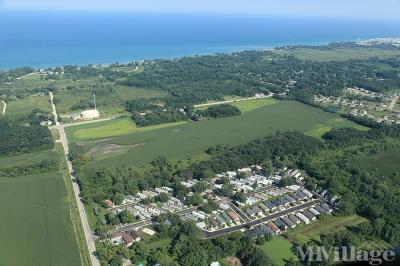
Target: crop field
x=25, y=106
x=35, y=225
x=193, y=138
x=338, y=54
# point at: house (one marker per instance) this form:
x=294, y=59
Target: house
x=290, y=199
x=280, y=224
x=326, y=207
x=257, y=210
x=301, y=195
x=258, y=232
x=199, y=215
x=270, y=205
x=213, y=222
x=191, y=216
x=128, y=239
x=263, y=207
x=223, y=206
x=266, y=229
x=250, y=212
x=309, y=215
x=109, y=203
x=226, y=217
x=294, y=219
x=220, y=219
x=320, y=209
x=116, y=238
x=201, y=225
x=308, y=193
x=303, y=218
x=148, y=231
x=260, y=196
x=314, y=211
x=295, y=196
x=234, y=216
x=273, y=227
x=288, y=222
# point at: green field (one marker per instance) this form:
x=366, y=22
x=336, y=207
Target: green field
x=193, y=138
x=35, y=225
x=279, y=250
x=338, y=54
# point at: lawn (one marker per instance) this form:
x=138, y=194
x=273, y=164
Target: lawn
x=35, y=225
x=278, y=250
x=193, y=138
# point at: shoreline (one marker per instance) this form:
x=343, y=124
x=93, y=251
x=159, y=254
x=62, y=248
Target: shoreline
x=215, y=51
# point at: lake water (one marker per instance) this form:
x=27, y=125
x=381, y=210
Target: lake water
x=52, y=39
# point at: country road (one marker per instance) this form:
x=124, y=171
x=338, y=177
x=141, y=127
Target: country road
x=4, y=107
x=232, y=101
x=85, y=223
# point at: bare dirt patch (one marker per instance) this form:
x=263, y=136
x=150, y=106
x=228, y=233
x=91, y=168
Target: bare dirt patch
x=111, y=148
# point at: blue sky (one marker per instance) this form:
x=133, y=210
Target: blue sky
x=376, y=9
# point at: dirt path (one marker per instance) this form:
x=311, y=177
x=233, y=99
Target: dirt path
x=393, y=103
x=4, y=107
x=85, y=223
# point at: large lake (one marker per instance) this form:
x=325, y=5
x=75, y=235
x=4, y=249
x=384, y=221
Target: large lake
x=52, y=39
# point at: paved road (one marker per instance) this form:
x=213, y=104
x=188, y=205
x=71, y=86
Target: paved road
x=4, y=107
x=231, y=101
x=239, y=211
x=224, y=231
x=85, y=223
x=393, y=103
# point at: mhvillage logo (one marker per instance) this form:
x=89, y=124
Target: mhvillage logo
x=345, y=254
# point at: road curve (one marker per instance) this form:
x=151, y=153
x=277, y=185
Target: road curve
x=85, y=223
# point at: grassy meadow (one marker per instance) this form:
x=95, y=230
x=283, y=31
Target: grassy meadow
x=24, y=106
x=385, y=162
x=178, y=142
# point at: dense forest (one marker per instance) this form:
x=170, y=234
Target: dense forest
x=16, y=137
